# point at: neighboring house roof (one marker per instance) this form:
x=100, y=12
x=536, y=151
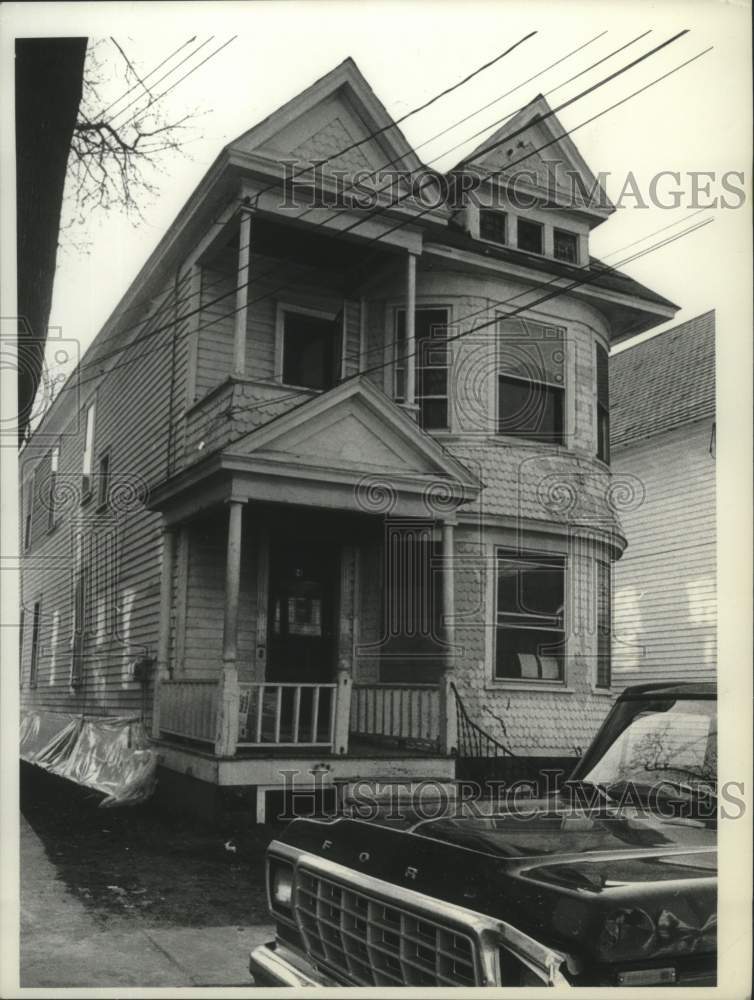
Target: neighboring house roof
x=663, y=382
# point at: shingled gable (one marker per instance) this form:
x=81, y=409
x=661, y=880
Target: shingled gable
x=354, y=429
x=338, y=111
x=541, y=148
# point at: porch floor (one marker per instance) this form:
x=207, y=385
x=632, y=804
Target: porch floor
x=361, y=748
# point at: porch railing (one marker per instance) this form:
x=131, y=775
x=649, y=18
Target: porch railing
x=403, y=712
x=287, y=715
x=188, y=708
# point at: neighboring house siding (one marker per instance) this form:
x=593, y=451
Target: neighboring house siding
x=665, y=584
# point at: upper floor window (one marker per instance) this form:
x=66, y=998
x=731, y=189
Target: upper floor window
x=81, y=598
x=603, y=404
x=431, y=365
x=103, y=480
x=530, y=617
x=566, y=246
x=493, y=225
x=29, y=508
x=312, y=345
x=530, y=236
x=531, y=381
x=52, y=495
x=86, y=464
x=33, y=666
x=604, y=624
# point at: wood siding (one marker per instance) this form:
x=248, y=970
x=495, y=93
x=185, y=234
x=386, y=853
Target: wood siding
x=664, y=614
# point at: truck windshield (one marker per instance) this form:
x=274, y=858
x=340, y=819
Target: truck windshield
x=669, y=741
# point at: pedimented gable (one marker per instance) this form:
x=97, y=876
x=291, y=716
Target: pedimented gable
x=335, y=113
x=353, y=429
x=534, y=146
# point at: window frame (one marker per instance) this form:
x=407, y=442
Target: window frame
x=399, y=365
x=54, y=468
x=30, y=490
x=558, y=231
x=522, y=220
x=603, y=631
x=499, y=213
x=289, y=307
x=35, y=633
x=542, y=558
x=87, y=459
x=602, y=404
x=79, y=613
x=103, y=479
x=520, y=437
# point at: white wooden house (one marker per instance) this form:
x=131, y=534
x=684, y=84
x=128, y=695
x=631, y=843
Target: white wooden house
x=662, y=394
x=324, y=468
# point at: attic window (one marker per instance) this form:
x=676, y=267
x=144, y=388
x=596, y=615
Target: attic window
x=529, y=236
x=493, y=225
x=311, y=349
x=566, y=246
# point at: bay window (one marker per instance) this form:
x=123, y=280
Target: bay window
x=603, y=404
x=431, y=365
x=531, y=381
x=530, y=617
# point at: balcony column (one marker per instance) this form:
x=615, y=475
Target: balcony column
x=229, y=693
x=449, y=740
x=410, y=376
x=162, y=668
x=242, y=293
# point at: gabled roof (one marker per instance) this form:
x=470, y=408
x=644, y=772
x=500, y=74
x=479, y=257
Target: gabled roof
x=335, y=113
x=541, y=149
x=663, y=382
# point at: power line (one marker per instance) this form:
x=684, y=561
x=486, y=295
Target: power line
x=158, y=66
x=131, y=67
x=322, y=223
x=169, y=326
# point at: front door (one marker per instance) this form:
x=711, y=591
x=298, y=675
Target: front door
x=301, y=618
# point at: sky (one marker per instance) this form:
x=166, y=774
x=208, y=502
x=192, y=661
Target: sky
x=409, y=52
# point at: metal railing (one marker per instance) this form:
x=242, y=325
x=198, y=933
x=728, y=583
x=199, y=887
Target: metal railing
x=473, y=741
x=286, y=715
x=402, y=712
x=188, y=708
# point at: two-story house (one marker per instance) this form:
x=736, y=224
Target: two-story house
x=331, y=487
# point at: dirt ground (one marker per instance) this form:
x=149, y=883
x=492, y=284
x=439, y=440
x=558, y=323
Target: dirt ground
x=121, y=879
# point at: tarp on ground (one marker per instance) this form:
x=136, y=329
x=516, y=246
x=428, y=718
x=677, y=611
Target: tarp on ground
x=111, y=756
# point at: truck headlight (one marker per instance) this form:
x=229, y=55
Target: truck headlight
x=280, y=883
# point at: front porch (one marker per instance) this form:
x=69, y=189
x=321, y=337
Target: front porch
x=307, y=598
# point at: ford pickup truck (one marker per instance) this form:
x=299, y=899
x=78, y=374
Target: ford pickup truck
x=609, y=881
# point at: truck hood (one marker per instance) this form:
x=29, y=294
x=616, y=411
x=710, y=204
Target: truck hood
x=607, y=888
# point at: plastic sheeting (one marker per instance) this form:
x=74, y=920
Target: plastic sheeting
x=109, y=755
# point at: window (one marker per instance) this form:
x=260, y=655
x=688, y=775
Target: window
x=34, y=645
x=103, y=481
x=312, y=347
x=530, y=617
x=604, y=624
x=29, y=509
x=603, y=405
x=54, y=461
x=493, y=225
x=566, y=246
x=529, y=236
x=80, y=606
x=531, y=381
x=86, y=465
x=431, y=365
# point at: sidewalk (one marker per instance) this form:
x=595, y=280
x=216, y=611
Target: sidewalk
x=64, y=943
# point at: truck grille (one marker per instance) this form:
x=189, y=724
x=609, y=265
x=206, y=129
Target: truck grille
x=374, y=943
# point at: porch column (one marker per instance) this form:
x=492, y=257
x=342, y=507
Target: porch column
x=449, y=735
x=162, y=668
x=410, y=330
x=229, y=694
x=346, y=648
x=242, y=293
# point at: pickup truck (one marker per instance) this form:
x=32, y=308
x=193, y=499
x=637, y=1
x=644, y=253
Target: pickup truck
x=610, y=880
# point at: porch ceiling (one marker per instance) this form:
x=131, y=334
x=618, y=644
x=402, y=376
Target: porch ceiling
x=351, y=448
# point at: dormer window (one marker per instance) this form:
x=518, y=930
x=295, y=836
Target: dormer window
x=493, y=226
x=566, y=246
x=530, y=236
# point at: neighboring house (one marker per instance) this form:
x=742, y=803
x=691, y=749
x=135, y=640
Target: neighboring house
x=370, y=469
x=662, y=401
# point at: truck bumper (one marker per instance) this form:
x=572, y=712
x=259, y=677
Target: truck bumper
x=274, y=964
